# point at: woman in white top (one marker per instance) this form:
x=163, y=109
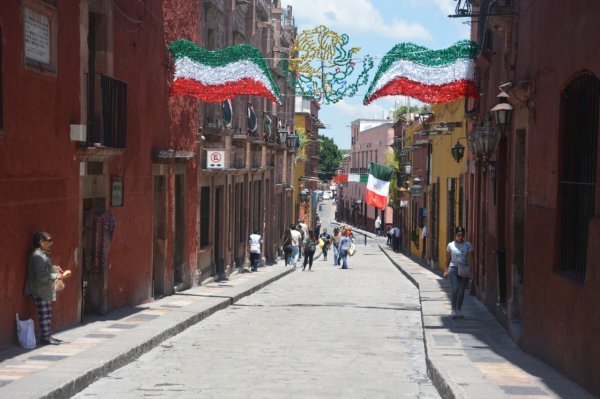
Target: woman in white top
x=458, y=268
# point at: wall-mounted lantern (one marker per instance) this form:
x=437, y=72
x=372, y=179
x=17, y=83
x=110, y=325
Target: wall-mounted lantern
x=458, y=151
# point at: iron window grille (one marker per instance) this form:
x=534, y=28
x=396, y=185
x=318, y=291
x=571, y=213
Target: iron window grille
x=577, y=184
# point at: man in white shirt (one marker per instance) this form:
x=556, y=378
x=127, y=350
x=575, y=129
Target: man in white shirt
x=255, y=243
x=296, y=242
x=378, y=226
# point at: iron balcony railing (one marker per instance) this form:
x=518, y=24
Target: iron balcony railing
x=107, y=112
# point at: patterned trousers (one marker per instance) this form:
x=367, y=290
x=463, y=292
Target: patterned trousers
x=44, y=309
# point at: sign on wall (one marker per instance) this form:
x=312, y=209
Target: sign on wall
x=215, y=159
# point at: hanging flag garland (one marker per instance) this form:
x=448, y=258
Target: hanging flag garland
x=214, y=76
x=431, y=76
x=321, y=66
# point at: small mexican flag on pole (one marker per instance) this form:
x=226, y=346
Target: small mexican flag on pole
x=378, y=185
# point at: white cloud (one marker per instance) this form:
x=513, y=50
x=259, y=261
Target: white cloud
x=355, y=16
x=358, y=111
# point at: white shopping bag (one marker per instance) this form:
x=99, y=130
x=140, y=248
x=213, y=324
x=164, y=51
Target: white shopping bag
x=26, y=333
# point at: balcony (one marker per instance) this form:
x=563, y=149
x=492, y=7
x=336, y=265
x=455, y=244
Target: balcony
x=239, y=22
x=107, y=112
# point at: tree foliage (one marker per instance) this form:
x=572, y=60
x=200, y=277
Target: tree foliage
x=329, y=158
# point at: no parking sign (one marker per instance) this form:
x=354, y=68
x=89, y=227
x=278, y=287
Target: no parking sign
x=215, y=159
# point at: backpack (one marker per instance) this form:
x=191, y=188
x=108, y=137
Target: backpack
x=310, y=246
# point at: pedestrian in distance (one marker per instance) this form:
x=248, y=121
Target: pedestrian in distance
x=301, y=241
x=344, y=246
x=458, y=269
x=326, y=237
x=255, y=243
x=286, y=247
x=335, y=241
x=42, y=275
x=310, y=246
x=296, y=243
x=396, y=239
x=318, y=228
x=389, y=236
x=378, y=226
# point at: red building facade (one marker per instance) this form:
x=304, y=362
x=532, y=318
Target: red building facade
x=86, y=114
x=533, y=206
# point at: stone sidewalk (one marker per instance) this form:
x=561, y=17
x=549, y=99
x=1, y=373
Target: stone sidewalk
x=474, y=357
x=93, y=350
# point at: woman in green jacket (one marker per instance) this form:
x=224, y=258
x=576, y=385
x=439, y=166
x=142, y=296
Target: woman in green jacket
x=41, y=279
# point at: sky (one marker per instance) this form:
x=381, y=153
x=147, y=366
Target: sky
x=376, y=26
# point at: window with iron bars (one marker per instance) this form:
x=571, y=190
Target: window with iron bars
x=577, y=178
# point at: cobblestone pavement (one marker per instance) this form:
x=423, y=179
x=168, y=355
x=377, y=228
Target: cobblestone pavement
x=328, y=333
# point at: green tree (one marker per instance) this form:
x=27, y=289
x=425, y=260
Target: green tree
x=329, y=158
x=401, y=111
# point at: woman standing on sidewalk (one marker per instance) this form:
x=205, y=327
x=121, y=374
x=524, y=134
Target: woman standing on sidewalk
x=41, y=278
x=309, y=249
x=344, y=245
x=458, y=269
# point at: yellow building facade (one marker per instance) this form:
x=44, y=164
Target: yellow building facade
x=433, y=214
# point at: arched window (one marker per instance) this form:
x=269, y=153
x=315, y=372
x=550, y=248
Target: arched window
x=577, y=178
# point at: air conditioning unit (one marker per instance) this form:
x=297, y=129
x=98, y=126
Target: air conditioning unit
x=78, y=132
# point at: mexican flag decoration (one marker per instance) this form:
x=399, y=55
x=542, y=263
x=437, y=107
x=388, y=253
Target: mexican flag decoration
x=431, y=76
x=214, y=76
x=227, y=113
x=378, y=185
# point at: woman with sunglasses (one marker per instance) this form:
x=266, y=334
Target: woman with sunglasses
x=41, y=278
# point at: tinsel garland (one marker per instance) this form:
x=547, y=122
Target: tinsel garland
x=428, y=93
x=423, y=67
x=214, y=76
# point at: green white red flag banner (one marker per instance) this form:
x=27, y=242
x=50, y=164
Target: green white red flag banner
x=378, y=185
x=431, y=76
x=214, y=76
x=353, y=177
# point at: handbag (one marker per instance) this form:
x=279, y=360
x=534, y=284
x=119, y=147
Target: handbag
x=59, y=285
x=25, y=332
x=321, y=243
x=352, y=249
x=464, y=270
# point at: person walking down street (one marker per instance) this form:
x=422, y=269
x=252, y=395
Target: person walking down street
x=378, y=226
x=296, y=242
x=286, y=247
x=318, y=228
x=344, y=245
x=310, y=246
x=255, y=243
x=336, y=246
x=41, y=279
x=389, y=236
x=301, y=240
x=326, y=237
x=458, y=269
x=396, y=239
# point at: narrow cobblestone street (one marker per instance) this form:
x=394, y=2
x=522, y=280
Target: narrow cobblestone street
x=326, y=333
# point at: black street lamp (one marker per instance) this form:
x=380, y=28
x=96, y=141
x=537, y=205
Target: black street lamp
x=458, y=151
x=483, y=141
x=502, y=111
x=292, y=139
x=283, y=136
